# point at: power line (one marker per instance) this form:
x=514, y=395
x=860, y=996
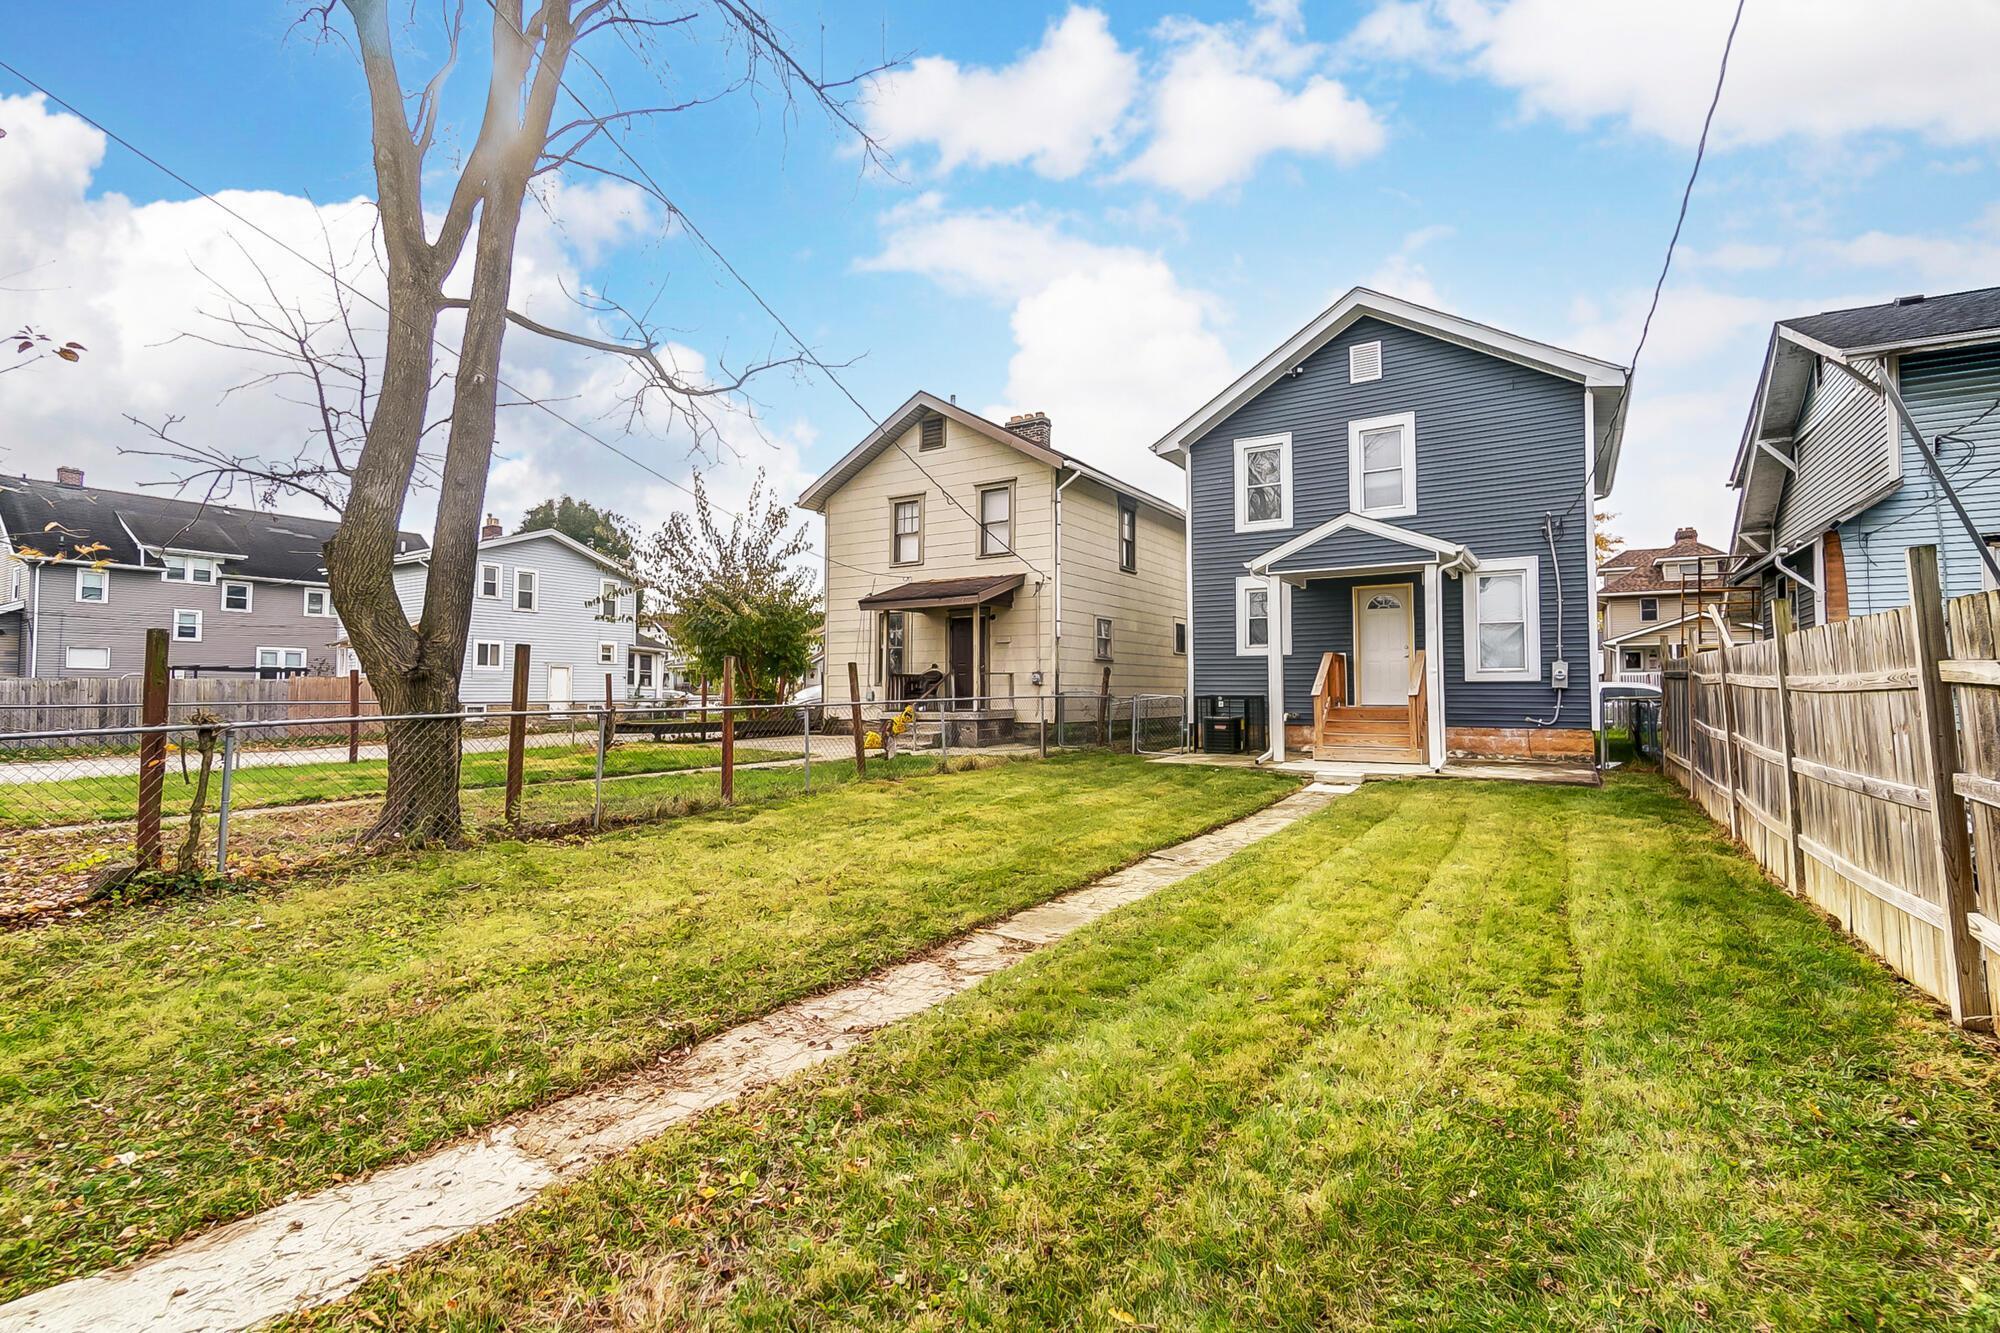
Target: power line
x=660, y=193
x=335, y=277
x=1667, y=262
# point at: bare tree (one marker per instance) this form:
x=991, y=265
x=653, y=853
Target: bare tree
x=392, y=414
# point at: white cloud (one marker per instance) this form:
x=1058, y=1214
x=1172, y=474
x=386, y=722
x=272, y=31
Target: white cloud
x=127, y=279
x=1403, y=273
x=1733, y=257
x=1228, y=95
x=1056, y=109
x=1951, y=261
x=1108, y=341
x=1800, y=67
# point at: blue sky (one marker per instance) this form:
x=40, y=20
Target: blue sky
x=1103, y=212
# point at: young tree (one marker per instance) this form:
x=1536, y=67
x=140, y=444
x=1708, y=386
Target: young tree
x=1608, y=542
x=739, y=592
x=405, y=413
x=580, y=520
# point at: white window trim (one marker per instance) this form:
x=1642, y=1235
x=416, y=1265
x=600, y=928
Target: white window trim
x=499, y=580
x=607, y=652
x=1531, y=598
x=84, y=572
x=180, y=611
x=279, y=665
x=249, y=596
x=534, y=577
x=1244, y=583
x=1243, y=449
x=69, y=648
x=306, y=597
x=1357, y=348
x=499, y=655
x=1406, y=422
x=1102, y=640
x=189, y=564
x=1181, y=638
x=608, y=593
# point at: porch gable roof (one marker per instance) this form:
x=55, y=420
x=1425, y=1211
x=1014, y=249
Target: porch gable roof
x=941, y=594
x=1354, y=541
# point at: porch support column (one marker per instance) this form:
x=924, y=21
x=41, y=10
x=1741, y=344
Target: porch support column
x=1274, y=709
x=978, y=653
x=1434, y=661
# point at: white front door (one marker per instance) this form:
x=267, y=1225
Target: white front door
x=560, y=690
x=1384, y=618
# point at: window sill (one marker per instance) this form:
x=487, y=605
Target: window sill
x=1533, y=677
x=1392, y=511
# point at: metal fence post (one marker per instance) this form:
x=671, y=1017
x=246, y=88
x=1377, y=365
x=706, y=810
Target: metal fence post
x=222, y=805
x=728, y=730
x=806, y=728
x=944, y=733
x=353, y=715
x=1135, y=724
x=1042, y=716
x=597, y=787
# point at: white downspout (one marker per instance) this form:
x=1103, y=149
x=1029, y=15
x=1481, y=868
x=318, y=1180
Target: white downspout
x=35, y=624
x=1055, y=674
x=1274, y=647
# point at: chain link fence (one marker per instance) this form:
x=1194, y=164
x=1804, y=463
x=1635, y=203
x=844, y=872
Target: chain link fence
x=256, y=797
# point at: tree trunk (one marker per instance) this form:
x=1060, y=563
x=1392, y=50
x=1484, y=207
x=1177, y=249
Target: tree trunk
x=421, y=806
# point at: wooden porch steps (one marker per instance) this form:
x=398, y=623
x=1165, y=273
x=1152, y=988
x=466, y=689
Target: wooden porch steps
x=1373, y=733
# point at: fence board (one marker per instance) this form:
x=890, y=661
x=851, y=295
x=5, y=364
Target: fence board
x=1867, y=791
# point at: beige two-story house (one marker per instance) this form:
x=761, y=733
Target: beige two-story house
x=975, y=565
x=1660, y=602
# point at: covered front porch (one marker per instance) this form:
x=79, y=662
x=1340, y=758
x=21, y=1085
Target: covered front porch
x=937, y=639
x=1362, y=603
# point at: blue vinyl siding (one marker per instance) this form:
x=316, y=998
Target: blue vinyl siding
x=1498, y=446
x=1946, y=392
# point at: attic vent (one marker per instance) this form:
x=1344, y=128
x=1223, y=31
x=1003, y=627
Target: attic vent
x=1364, y=362
x=1918, y=299
x=933, y=433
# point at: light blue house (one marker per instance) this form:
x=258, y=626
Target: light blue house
x=1832, y=490
x=1389, y=531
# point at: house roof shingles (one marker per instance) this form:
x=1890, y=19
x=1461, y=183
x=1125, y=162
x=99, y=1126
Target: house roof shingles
x=52, y=516
x=1645, y=575
x=1896, y=323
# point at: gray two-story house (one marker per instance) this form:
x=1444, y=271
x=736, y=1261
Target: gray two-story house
x=1832, y=486
x=85, y=572
x=1389, y=528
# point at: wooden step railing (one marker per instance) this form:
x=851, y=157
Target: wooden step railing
x=1329, y=689
x=1419, y=707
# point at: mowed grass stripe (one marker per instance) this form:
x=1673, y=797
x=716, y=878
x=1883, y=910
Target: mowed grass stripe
x=246, y=1046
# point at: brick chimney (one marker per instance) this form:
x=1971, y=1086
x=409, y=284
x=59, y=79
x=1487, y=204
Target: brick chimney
x=1031, y=426
x=69, y=476
x=1684, y=534
x=490, y=529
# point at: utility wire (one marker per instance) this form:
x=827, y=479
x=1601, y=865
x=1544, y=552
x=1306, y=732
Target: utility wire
x=335, y=277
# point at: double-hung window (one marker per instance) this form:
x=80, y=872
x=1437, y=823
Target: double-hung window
x=187, y=569
x=235, y=596
x=319, y=602
x=1382, y=465
x=607, y=599
x=93, y=585
x=1103, y=638
x=489, y=579
x=527, y=589
x=1255, y=623
x=271, y=662
x=1264, y=483
x=894, y=628
x=607, y=652
x=187, y=626
x=1128, y=535
x=487, y=655
x=907, y=531
x=996, y=520
x=1649, y=608
x=1503, y=637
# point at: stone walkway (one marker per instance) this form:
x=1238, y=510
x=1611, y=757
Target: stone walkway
x=318, y=1248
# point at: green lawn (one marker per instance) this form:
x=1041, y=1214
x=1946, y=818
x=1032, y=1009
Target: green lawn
x=77, y=800
x=163, y=1068
x=1445, y=1056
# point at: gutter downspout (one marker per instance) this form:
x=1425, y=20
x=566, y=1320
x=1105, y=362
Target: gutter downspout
x=35, y=625
x=1055, y=674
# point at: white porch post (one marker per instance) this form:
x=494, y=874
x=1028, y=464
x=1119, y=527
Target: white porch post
x=1274, y=711
x=1434, y=659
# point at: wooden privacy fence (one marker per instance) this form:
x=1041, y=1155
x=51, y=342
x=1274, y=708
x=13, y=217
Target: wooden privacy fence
x=85, y=703
x=1859, y=762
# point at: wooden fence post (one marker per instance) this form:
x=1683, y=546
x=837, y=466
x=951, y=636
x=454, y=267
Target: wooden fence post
x=728, y=731
x=152, y=749
x=1965, y=970
x=854, y=704
x=1795, y=855
x=353, y=714
x=1729, y=743
x=517, y=732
